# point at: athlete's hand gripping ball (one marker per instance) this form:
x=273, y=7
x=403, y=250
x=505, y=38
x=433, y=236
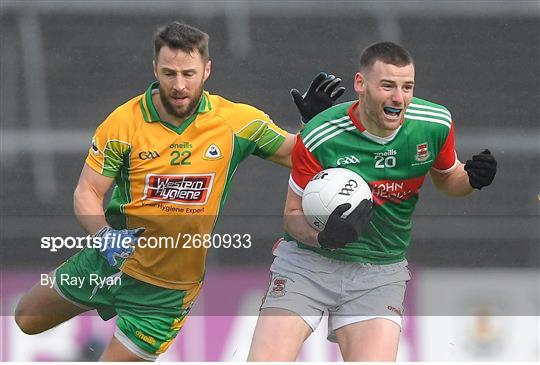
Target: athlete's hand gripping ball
x=339, y=230
x=321, y=95
x=481, y=169
x=117, y=245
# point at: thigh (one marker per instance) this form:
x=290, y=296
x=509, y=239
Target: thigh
x=384, y=302
x=148, y=327
x=376, y=339
x=278, y=336
x=367, y=326
x=298, y=293
x=302, y=282
x=42, y=308
x=74, y=291
x=83, y=280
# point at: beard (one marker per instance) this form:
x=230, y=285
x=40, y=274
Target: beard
x=181, y=112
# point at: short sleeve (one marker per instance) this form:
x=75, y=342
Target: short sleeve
x=261, y=133
x=110, y=146
x=447, y=158
x=304, y=167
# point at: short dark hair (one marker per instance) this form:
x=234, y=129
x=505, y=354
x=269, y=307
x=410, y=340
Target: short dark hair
x=181, y=36
x=386, y=52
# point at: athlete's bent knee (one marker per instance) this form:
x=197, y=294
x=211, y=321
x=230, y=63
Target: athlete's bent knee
x=27, y=319
x=25, y=322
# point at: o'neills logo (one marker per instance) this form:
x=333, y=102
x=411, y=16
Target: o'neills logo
x=188, y=189
x=148, y=339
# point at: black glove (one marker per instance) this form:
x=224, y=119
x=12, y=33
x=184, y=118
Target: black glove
x=339, y=231
x=481, y=169
x=321, y=95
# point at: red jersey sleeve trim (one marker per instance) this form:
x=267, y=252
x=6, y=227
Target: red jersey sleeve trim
x=452, y=168
x=447, y=158
x=294, y=187
x=304, y=166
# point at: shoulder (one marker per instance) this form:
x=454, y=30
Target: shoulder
x=237, y=115
x=335, y=117
x=127, y=113
x=424, y=111
x=122, y=122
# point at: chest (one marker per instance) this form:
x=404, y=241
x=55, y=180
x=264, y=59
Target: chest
x=410, y=154
x=199, y=148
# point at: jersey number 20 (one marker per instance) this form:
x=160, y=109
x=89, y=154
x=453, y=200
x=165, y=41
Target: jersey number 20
x=385, y=161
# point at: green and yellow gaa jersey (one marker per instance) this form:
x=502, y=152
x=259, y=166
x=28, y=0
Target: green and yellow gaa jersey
x=174, y=180
x=394, y=167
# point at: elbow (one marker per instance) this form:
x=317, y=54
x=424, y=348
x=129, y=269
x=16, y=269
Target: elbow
x=294, y=223
x=284, y=161
x=287, y=162
x=286, y=221
x=81, y=196
x=76, y=199
x=442, y=188
x=455, y=191
x=292, y=220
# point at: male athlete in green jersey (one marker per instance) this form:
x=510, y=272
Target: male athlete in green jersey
x=356, y=268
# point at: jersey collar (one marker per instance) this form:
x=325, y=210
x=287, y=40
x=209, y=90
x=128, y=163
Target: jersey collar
x=355, y=121
x=364, y=131
x=151, y=115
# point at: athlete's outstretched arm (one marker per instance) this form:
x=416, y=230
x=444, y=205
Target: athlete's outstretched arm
x=283, y=154
x=88, y=199
x=321, y=94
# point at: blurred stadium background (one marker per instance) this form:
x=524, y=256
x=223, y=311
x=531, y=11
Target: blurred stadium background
x=65, y=65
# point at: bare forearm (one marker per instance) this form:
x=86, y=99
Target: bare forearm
x=284, y=161
x=283, y=154
x=297, y=226
x=455, y=183
x=88, y=208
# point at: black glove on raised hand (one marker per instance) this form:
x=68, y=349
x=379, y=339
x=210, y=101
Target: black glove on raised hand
x=481, y=169
x=321, y=95
x=339, y=231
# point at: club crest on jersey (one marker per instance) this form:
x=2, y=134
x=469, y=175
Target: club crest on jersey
x=212, y=153
x=347, y=160
x=185, y=189
x=422, y=152
x=278, y=287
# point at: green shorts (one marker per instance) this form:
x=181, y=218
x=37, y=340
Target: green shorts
x=149, y=316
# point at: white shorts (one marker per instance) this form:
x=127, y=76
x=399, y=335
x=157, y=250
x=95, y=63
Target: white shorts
x=307, y=284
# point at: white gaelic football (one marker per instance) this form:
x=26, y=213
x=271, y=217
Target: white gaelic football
x=330, y=188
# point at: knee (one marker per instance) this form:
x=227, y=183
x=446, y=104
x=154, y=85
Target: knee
x=24, y=320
